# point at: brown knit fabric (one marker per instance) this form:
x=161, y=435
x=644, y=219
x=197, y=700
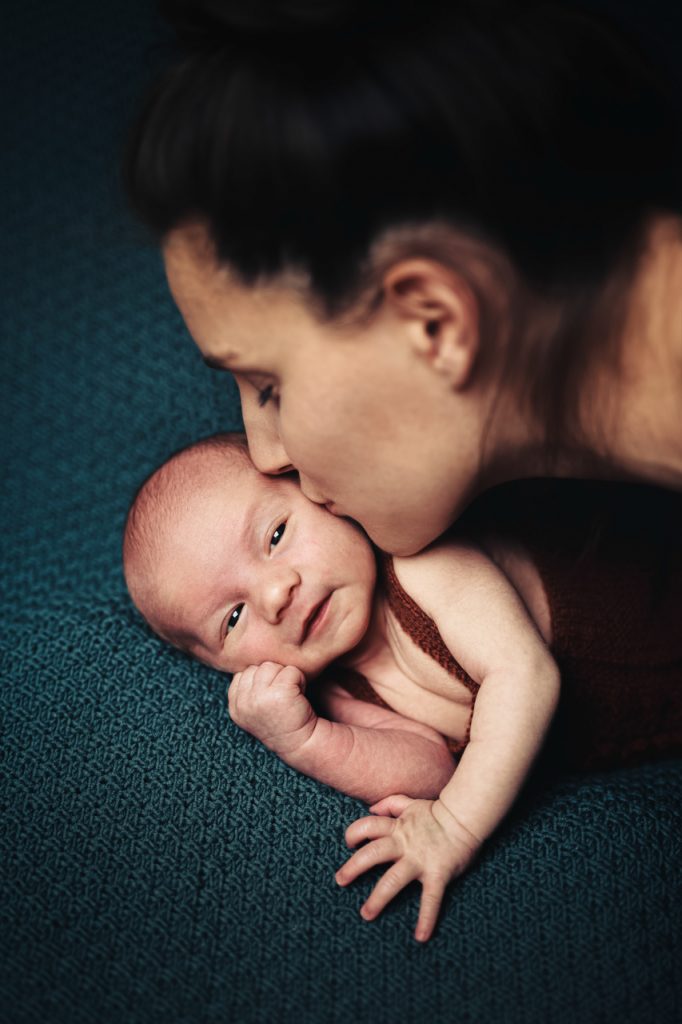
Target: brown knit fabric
x=617, y=637
x=611, y=562
x=610, y=558
x=419, y=627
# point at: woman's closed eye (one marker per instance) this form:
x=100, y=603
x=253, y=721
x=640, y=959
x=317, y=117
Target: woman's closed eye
x=266, y=395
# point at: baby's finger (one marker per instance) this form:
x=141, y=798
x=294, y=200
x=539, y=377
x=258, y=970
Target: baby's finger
x=266, y=672
x=429, y=909
x=368, y=828
x=388, y=886
x=233, y=692
x=290, y=675
x=244, y=680
x=368, y=857
x=393, y=805
x=240, y=690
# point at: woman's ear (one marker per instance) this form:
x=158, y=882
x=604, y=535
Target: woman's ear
x=440, y=313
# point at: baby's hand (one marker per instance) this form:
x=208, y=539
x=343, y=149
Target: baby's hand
x=425, y=841
x=268, y=701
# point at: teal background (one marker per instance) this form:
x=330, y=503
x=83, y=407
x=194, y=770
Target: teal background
x=157, y=864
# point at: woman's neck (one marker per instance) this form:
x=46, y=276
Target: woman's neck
x=632, y=407
x=629, y=411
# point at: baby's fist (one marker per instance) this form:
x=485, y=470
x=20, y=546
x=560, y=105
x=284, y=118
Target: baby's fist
x=268, y=701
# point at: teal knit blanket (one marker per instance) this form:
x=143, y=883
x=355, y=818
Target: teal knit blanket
x=157, y=864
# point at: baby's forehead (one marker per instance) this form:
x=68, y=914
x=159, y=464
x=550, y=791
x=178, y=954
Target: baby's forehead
x=232, y=481
x=212, y=492
x=178, y=489
x=205, y=472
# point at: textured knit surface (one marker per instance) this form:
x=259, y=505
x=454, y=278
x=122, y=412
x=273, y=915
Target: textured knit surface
x=610, y=558
x=420, y=627
x=618, y=641
x=157, y=864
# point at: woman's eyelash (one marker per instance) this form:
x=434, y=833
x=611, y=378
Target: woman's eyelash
x=264, y=395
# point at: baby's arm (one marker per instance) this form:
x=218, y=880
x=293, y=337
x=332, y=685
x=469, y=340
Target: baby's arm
x=485, y=624
x=498, y=644
x=365, y=751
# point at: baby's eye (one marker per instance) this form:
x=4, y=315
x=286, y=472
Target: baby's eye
x=233, y=618
x=278, y=534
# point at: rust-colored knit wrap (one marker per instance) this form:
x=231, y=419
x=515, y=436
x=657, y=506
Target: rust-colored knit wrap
x=610, y=558
x=611, y=563
x=617, y=637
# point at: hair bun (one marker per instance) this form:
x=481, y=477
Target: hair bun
x=207, y=22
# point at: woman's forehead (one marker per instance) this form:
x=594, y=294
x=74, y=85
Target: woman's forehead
x=192, y=263
x=233, y=325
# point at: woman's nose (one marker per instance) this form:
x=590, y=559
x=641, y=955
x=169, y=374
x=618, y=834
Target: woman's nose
x=311, y=492
x=267, y=453
x=262, y=431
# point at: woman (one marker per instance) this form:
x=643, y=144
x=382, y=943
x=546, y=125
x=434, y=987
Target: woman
x=439, y=245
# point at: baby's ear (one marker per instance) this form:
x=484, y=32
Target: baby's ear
x=439, y=313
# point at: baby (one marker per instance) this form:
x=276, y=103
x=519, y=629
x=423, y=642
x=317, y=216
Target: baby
x=364, y=672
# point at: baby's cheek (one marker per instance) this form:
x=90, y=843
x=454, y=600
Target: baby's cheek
x=220, y=662
x=262, y=646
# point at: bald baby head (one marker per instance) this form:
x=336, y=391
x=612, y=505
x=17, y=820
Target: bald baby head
x=161, y=501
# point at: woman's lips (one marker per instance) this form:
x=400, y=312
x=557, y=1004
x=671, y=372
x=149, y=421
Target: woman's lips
x=316, y=619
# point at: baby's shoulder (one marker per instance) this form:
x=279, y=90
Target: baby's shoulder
x=442, y=555
x=437, y=573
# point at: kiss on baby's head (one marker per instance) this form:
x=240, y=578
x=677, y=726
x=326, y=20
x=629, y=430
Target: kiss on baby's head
x=238, y=568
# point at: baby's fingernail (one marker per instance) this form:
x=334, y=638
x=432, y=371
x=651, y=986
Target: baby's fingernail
x=366, y=914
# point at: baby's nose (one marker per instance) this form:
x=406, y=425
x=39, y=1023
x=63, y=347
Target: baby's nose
x=278, y=594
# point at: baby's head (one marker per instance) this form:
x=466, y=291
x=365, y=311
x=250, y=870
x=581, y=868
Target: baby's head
x=238, y=568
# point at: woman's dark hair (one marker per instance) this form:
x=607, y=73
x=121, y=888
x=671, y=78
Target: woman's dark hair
x=301, y=130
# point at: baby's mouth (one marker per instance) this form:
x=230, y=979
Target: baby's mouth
x=314, y=618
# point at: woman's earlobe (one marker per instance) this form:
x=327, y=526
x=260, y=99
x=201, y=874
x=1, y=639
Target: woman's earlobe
x=454, y=348
x=439, y=312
